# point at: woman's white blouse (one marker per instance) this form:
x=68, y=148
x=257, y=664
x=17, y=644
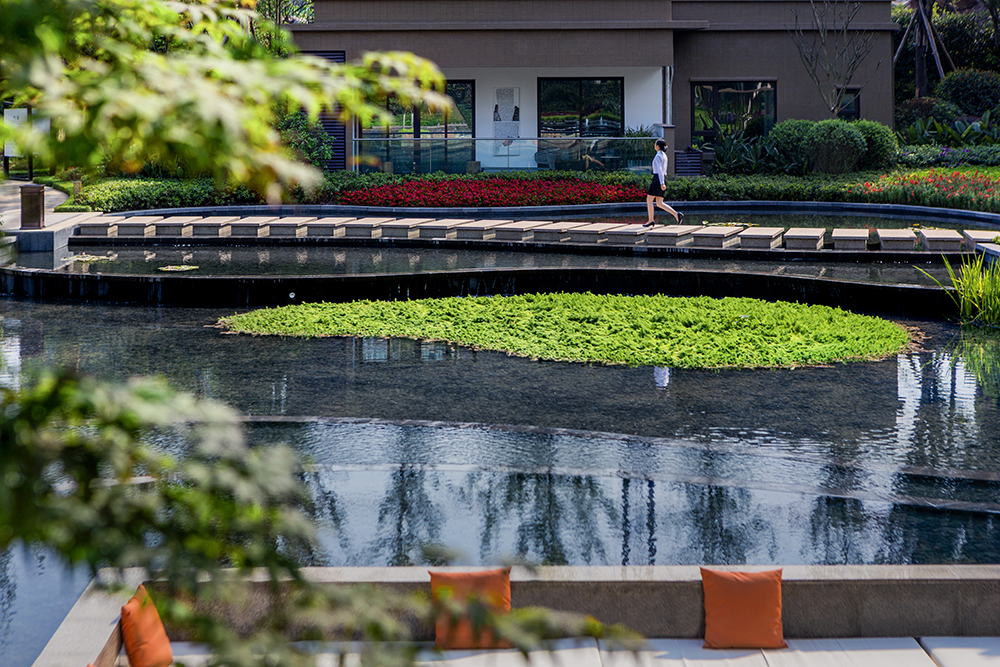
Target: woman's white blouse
x=660, y=166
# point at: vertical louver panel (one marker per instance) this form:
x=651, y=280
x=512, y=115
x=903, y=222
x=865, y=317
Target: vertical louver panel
x=333, y=127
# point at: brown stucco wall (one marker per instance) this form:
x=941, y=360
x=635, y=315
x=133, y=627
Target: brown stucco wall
x=702, y=39
x=773, y=56
x=501, y=48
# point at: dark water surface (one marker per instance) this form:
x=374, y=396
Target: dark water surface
x=415, y=443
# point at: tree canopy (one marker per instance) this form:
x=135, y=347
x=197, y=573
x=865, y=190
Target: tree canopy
x=182, y=83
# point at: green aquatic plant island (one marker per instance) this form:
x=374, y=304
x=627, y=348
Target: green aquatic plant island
x=682, y=332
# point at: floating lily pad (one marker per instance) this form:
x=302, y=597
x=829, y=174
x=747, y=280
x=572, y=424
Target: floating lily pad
x=178, y=267
x=87, y=259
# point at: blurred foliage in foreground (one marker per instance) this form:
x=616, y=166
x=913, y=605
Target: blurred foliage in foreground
x=183, y=84
x=141, y=477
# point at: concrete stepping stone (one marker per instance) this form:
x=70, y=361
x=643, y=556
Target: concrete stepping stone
x=477, y=230
x=555, y=232
x=403, y=228
x=717, y=236
x=442, y=229
x=253, y=226
x=671, y=235
x=520, y=230
x=101, y=226
x=175, y=225
x=290, y=227
x=941, y=240
x=139, y=225
x=365, y=228
x=804, y=238
x=592, y=233
x=327, y=226
x=761, y=238
x=626, y=235
x=897, y=239
x=213, y=225
x=974, y=236
x=850, y=239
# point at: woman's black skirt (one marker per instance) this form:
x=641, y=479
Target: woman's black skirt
x=654, y=187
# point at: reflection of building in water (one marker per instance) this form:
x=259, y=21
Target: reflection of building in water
x=10, y=356
x=661, y=376
x=380, y=350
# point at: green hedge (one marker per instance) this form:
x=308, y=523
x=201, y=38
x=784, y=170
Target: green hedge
x=129, y=194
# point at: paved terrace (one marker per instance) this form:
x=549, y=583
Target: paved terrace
x=833, y=616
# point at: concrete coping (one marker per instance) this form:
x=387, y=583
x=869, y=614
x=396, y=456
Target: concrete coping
x=941, y=234
x=762, y=232
x=332, y=222
x=596, y=228
x=367, y=222
x=255, y=220
x=852, y=234
x=896, y=234
x=216, y=220
x=295, y=221
x=808, y=233
x=406, y=223
x=428, y=223
x=674, y=230
x=141, y=220
x=718, y=231
x=627, y=230
x=982, y=235
x=521, y=225
x=486, y=223
x=560, y=226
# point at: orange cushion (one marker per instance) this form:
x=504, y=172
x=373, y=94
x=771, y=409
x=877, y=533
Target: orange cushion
x=491, y=587
x=742, y=609
x=143, y=634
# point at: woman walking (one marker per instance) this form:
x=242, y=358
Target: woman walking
x=654, y=195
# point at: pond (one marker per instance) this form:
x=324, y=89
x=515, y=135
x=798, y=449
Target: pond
x=418, y=443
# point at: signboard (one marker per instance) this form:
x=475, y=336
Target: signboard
x=16, y=118
x=13, y=118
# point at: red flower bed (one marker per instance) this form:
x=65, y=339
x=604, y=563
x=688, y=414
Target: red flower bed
x=492, y=192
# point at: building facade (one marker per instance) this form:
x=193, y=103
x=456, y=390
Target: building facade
x=543, y=82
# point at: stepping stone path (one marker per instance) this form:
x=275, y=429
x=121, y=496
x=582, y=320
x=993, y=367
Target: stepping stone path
x=735, y=237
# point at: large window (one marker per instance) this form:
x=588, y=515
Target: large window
x=581, y=107
x=732, y=106
x=851, y=106
x=408, y=122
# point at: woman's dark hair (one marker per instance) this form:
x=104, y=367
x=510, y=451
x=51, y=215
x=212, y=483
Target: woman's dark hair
x=661, y=144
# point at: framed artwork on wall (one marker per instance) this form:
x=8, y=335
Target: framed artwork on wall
x=506, y=120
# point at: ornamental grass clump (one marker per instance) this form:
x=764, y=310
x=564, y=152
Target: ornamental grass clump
x=690, y=332
x=975, y=290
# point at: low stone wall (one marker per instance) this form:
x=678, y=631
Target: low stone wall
x=657, y=601
x=258, y=291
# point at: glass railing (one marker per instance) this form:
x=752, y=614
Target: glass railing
x=461, y=156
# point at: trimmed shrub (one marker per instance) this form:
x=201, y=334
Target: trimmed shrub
x=789, y=138
x=835, y=146
x=972, y=91
x=945, y=156
x=881, y=145
x=919, y=108
x=130, y=194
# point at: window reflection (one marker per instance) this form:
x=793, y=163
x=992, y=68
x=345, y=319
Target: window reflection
x=746, y=107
